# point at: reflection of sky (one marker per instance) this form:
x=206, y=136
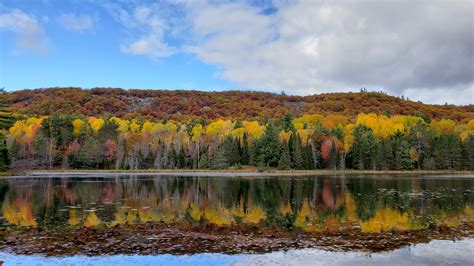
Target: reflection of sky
x=435, y=252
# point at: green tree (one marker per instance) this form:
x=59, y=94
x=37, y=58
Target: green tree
x=448, y=152
x=181, y=160
x=269, y=148
x=295, y=151
x=231, y=150
x=245, y=150
x=285, y=160
x=384, y=156
x=334, y=157
x=6, y=121
x=172, y=158
x=287, y=122
x=469, y=152
x=203, y=161
x=363, y=148
x=401, y=149
x=219, y=161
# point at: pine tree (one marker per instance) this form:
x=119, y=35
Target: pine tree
x=402, y=155
x=245, y=150
x=333, y=157
x=181, y=160
x=253, y=150
x=384, y=156
x=285, y=161
x=231, y=150
x=287, y=122
x=269, y=148
x=448, y=152
x=295, y=151
x=172, y=158
x=469, y=152
x=219, y=161
x=6, y=121
x=363, y=148
x=203, y=161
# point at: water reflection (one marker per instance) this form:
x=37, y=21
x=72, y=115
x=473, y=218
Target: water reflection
x=374, y=204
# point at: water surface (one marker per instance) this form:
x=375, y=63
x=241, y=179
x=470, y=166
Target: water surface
x=251, y=209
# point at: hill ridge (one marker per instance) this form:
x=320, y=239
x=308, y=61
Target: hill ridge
x=189, y=104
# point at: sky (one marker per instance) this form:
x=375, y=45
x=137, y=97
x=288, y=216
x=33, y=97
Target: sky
x=423, y=50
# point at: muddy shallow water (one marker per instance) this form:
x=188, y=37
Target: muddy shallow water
x=154, y=217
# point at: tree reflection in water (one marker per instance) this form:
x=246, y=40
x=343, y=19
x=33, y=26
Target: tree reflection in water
x=375, y=204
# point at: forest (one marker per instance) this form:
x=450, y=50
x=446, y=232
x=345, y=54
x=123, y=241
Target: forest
x=186, y=106
x=310, y=141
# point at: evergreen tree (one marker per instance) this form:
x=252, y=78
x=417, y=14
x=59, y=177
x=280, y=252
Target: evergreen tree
x=181, y=160
x=384, y=156
x=285, y=161
x=269, y=148
x=203, y=161
x=231, y=150
x=287, y=122
x=295, y=151
x=448, y=152
x=254, y=149
x=401, y=152
x=469, y=153
x=172, y=158
x=245, y=150
x=6, y=121
x=238, y=124
x=219, y=161
x=363, y=148
x=308, y=157
x=91, y=154
x=333, y=157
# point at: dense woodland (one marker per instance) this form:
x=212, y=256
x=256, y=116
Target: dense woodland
x=311, y=141
x=186, y=106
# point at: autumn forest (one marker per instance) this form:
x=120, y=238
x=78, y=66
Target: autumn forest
x=116, y=129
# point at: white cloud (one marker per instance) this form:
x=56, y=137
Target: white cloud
x=75, y=22
x=310, y=46
x=151, y=28
x=30, y=36
x=462, y=94
x=423, y=49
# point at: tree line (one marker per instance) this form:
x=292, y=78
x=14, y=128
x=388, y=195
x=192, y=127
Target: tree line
x=368, y=141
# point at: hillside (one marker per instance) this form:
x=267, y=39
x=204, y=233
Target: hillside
x=184, y=105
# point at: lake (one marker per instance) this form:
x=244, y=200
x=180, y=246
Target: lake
x=156, y=219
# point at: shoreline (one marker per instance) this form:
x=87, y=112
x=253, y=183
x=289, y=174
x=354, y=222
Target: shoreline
x=224, y=173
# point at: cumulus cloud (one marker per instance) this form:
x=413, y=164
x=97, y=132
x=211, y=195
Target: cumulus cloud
x=30, y=36
x=74, y=22
x=312, y=46
x=148, y=21
x=423, y=49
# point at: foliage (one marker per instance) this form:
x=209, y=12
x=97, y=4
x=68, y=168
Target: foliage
x=240, y=105
x=307, y=142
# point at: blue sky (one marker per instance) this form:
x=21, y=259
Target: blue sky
x=422, y=50
x=91, y=57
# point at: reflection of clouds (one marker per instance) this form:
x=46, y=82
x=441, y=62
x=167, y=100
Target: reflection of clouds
x=435, y=252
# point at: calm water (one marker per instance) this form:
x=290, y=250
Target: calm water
x=312, y=204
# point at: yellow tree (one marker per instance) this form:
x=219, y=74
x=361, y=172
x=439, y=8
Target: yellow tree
x=96, y=124
x=443, y=126
x=78, y=127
